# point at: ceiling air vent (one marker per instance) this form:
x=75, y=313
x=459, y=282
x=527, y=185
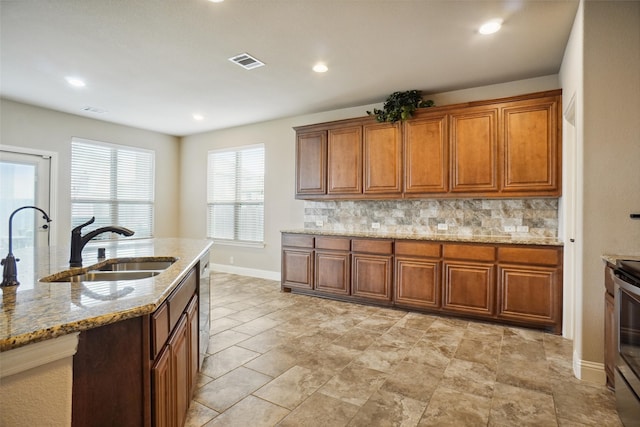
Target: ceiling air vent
x=246, y=61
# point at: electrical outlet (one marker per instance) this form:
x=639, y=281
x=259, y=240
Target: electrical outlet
x=319, y=223
x=443, y=227
x=522, y=229
x=375, y=225
x=510, y=228
x=231, y=260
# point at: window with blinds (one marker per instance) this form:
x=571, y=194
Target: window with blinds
x=235, y=195
x=115, y=184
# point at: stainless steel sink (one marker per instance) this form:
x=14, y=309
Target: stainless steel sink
x=107, y=276
x=115, y=269
x=136, y=265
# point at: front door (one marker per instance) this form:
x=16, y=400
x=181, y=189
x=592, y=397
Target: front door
x=24, y=181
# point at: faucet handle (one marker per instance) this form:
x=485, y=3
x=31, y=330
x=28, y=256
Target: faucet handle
x=78, y=228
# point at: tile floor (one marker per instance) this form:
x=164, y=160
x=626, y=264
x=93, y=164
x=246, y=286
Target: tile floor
x=278, y=359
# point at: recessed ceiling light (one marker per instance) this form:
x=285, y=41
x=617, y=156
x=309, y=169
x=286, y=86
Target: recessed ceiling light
x=216, y=1
x=75, y=81
x=320, y=68
x=490, y=27
x=198, y=117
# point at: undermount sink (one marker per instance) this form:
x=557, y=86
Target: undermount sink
x=136, y=265
x=115, y=269
x=107, y=276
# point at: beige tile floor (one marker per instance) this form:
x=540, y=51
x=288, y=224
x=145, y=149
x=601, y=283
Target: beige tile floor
x=290, y=360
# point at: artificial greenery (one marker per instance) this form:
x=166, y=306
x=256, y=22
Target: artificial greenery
x=400, y=106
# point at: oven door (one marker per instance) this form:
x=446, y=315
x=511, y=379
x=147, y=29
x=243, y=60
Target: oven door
x=628, y=359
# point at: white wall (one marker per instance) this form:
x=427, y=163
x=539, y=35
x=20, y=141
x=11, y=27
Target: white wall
x=611, y=144
x=282, y=211
x=37, y=128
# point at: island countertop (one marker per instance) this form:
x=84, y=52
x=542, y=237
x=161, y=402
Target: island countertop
x=452, y=238
x=35, y=311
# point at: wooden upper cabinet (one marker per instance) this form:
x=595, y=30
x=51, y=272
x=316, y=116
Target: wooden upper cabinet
x=502, y=148
x=344, y=160
x=311, y=163
x=426, y=155
x=531, y=150
x=382, y=165
x=474, y=150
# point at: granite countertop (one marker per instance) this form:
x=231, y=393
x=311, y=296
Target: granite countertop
x=35, y=311
x=512, y=240
x=613, y=259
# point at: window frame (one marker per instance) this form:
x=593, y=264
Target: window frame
x=236, y=203
x=113, y=203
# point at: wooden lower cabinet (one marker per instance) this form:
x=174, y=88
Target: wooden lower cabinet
x=505, y=283
x=173, y=374
x=528, y=294
x=163, y=390
x=297, y=261
x=371, y=276
x=469, y=288
x=332, y=272
x=417, y=282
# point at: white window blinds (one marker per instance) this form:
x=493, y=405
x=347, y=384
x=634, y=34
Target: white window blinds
x=235, y=195
x=113, y=183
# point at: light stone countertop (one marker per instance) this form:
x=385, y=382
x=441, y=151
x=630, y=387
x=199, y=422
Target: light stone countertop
x=524, y=240
x=35, y=311
x=612, y=259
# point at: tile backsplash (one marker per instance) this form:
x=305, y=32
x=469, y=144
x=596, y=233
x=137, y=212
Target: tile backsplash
x=463, y=217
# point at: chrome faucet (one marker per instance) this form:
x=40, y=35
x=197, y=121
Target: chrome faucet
x=10, y=271
x=78, y=241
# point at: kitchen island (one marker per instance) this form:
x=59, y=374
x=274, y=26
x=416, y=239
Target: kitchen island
x=41, y=325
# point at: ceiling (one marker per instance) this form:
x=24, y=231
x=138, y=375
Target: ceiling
x=152, y=64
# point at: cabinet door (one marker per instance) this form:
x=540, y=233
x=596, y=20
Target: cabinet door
x=530, y=294
x=426, y=155
x=382, y=159
x=162, y=390
x=474, y=150
x=417, y=282
x=344, y=160
x=332, y=272
x=531, y=147
x=311, y=163
x=180, y=365
x=371, y=276
x=297, y=268
x=469, y=288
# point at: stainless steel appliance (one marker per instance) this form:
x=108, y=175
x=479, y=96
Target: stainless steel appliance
x=627, y=371
x=204, y=306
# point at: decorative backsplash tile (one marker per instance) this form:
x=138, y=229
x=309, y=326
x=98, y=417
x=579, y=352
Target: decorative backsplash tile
x=463, y=217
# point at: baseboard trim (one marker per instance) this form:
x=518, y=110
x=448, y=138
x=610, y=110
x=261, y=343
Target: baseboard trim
x=592, y=372
x=242, y=271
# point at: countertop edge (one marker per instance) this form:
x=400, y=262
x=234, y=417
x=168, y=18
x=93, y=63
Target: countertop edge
x=92, y=322
x=541, y=241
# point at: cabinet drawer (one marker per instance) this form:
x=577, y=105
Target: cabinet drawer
x=418, y=249
x=159, y=329
x=180, y=297
x=383, y=247
x=470, y=252
x=297, y=240
x=333, y=243
x=539, y=256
